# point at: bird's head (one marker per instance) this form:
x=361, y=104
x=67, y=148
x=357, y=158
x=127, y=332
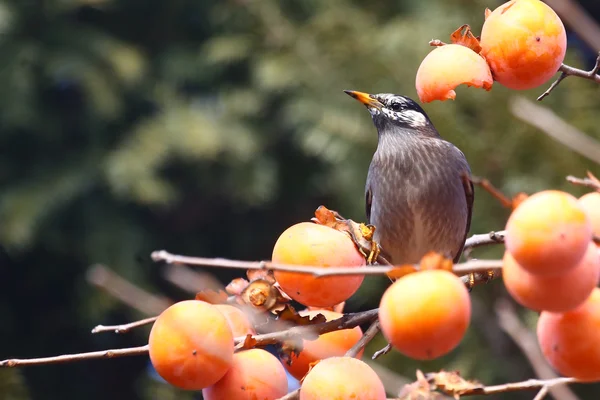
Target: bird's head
x=395, y=113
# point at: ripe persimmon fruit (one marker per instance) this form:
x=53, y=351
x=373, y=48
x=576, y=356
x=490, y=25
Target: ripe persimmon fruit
x=590, y=203
x=569, y=341
x=425, y=315
x=238, y=321
x=254, y=374
x=556, y=293
x=341, y=378
x=191, y=345
x=548, y=233
x=524, y=43
x=447, y=67
x=307, y=243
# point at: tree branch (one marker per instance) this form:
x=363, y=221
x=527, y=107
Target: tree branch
x=308, y=331
x=460, y=269
x=131, y=351
x=364, y=340
x=566, y=71
x=484, y=239
x=123, y=328
x=587, y=182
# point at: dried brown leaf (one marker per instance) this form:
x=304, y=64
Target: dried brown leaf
x=289, y=314
x=465, y=37
x=433, y=260
x=236, y=286
x=267, y=275
x=419, y=390
x=450, y=382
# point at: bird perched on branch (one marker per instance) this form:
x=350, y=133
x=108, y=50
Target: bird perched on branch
x=418, y=192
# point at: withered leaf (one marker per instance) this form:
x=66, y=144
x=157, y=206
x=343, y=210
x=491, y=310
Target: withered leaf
x=450, y=382
x=212, y=296
x=465, y=37
x=236, y=286
x=249, y=342
x=267, y=275
x=419, y=390
x=433, y=260
x=289, y=314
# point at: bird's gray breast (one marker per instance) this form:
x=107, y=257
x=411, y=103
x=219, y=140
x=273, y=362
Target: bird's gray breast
x=418, y=198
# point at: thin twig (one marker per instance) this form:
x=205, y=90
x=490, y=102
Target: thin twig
x=295, y=395
x=123, y=327
x=370, y=333
x=552, y=125
x=542, y=393
x=529, y=384
x=308, y=331
x=460, y=269
x=484, y=239
x=526, y=341
x=567, y=70
x=131, y=351
x=382, y=352
x=587, y=182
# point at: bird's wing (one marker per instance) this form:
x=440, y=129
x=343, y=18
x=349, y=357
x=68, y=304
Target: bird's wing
x=470, y=196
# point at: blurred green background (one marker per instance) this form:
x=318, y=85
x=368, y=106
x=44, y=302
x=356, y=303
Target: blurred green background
x=206, y=127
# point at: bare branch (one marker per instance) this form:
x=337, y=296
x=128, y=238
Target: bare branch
x=365, y=339
x=524, y=338
x=460, y=269
x=382, y=352
x=529, y=384
x=548, y=122
x=587, y=182
x=131, y=351
x=484, y=239
x=567, y=70
x=542, y=393
x=345, y=322
x=123, y=327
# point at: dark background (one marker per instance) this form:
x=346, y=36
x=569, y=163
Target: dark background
x=206, y=127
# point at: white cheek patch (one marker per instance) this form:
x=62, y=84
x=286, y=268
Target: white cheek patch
x=373, y=111
x=414, y=118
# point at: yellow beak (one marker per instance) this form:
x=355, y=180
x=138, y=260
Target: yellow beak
x=364, y=98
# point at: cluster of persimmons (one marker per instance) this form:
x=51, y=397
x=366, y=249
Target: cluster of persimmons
x=551, y=265
x=522, y=45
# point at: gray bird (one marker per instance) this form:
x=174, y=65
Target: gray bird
x=418, y=193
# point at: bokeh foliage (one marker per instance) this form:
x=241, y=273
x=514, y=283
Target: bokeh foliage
x=206, y=128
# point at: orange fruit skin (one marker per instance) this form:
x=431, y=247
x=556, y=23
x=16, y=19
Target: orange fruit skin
x=191, y=345
x=307, y=243
x=548, y=233
x=342, y=378
x=254, y=375
x=332, y=344
x=569, y=341
x=238, y=321
x=591, y=205
x=524, y=42
x=448, y=66
x=425, y=315
x=555, y=293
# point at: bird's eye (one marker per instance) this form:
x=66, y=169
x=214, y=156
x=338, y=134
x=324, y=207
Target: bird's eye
x=395, y=106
